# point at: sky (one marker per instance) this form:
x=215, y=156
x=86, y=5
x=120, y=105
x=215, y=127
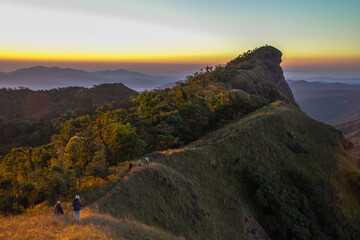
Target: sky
x=322, y=37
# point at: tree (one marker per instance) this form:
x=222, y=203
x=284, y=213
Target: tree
x=127, y=144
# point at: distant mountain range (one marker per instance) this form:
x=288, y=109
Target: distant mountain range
x=327, y=102
x=333, y=103
x=331, y=80
x=41, y=77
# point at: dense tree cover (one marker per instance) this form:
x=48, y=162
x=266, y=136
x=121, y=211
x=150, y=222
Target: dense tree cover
x=24, y=103
x=299, y=207
x=88, y=144
x=30, y=111
x=17, y=133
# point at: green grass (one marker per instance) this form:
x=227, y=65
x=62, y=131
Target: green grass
x=203, y=191
x=160, y=196
x=199, y=191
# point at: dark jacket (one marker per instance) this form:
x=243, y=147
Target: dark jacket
x=77, y=205
x=58, y=209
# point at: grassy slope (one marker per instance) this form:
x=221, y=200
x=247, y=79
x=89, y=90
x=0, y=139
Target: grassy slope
x=198, y=191
x=260, y=73
x=43, y=225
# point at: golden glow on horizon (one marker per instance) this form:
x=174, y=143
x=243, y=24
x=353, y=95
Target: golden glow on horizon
x=114, y=33
x=177, y=57
x=207, y=58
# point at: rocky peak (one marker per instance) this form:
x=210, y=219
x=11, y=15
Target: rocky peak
x=259, y=72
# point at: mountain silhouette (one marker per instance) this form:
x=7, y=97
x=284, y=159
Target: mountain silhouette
x=40, y=77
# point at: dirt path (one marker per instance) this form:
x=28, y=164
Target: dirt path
x=124, y=176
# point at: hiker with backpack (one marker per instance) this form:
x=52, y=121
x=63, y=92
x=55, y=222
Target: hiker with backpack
x=77, y=207
x=58, y=209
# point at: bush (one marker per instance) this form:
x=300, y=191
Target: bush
x=300, y=207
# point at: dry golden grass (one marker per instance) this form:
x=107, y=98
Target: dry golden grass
x=47, y=226
x=171, y=151
x=41, y=224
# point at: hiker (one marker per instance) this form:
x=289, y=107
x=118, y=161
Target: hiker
x=147, y=160
x=58, y=209
x=130, y=166
x=77, y=207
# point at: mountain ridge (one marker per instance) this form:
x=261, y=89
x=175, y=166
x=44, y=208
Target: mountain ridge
x=40, y=77
x=231, y=154
x=220, y=162
x=326, y=79
x=259, y=72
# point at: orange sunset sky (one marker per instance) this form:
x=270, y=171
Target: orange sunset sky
x=180, y=36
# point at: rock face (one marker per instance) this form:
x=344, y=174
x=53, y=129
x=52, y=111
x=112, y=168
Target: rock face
x=259, y=72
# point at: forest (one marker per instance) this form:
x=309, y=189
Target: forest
x=46, y=160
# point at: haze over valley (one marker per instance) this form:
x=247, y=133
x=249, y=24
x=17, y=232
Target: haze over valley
x=41, y=77
x=333, y=103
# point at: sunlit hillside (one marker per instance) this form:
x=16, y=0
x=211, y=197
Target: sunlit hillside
x=43, y=225
x=231, y=157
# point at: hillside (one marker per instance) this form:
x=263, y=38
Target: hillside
x=43, y=226
x=333, y=103
x=258, y=72
x=351, y=130
x=40, y=78
x=276, y=168
x=28, y=118
x=224, y=164
x=48, y=104
x=273, y=162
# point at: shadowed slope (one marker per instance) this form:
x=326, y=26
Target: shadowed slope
x=200, y=191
